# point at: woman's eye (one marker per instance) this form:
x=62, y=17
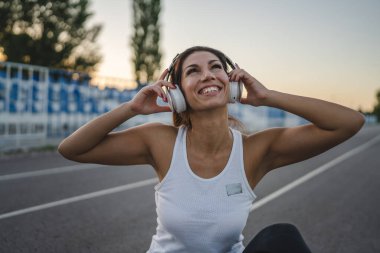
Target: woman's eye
x=216, y=66
x=190, y=71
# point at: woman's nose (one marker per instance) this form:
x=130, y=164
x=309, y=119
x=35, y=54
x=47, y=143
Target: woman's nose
x=207, y=75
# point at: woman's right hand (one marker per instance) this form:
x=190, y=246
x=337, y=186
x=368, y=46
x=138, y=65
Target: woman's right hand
x=145, y=101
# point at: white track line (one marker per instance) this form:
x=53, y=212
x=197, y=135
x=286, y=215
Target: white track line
x=80, y=198
x=50, y=171
x=314, y=173
x=150, y=181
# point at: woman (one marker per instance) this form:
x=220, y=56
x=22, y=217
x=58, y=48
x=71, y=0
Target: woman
x=206, y=169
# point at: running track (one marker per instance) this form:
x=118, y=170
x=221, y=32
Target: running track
x=49, y=204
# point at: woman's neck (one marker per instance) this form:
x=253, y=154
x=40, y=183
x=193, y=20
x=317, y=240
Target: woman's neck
x=209, y=131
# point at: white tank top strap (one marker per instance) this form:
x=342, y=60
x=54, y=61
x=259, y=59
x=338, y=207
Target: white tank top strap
x=240, y=156
x=177, y=154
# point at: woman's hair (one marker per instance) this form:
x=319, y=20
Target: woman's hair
x=176, y=75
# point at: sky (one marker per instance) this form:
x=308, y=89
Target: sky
x=323, y=49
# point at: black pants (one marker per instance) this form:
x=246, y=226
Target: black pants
x=278, y=238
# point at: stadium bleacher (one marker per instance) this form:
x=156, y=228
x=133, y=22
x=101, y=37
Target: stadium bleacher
x=40, y=106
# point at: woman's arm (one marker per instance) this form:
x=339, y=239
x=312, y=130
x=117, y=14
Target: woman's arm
x=330, y=125
x=95, y=143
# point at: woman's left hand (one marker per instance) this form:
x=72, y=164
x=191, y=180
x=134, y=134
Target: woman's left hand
x=256, y=92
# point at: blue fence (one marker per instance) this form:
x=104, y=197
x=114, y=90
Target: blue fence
x=39, y=106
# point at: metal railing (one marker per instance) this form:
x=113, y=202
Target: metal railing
x=40, y=106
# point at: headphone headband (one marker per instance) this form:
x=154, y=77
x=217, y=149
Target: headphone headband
x=171, y=67
x=230, y=62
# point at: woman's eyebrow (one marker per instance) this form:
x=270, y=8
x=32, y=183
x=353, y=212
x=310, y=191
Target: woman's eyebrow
x=195, y=65
x=192, y=65
x=212, y=61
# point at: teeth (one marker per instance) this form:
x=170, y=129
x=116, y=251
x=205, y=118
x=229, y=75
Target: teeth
x=209, y=89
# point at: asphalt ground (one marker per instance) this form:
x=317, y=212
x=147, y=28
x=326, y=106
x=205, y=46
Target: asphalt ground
x=49, y=204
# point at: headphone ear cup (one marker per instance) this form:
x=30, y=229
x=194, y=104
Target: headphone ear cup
x=176, y=99
x=236, y=90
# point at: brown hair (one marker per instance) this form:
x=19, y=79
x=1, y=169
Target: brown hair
x=183, y=118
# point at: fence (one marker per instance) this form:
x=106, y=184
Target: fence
x=40, y=106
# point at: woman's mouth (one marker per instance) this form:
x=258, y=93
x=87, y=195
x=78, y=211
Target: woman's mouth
x=210, y=90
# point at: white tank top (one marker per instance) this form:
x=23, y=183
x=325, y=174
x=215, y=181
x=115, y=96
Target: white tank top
x=195, y=214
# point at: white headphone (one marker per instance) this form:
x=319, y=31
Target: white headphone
x=176, y=99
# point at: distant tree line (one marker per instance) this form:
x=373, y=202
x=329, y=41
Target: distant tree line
x=376, y=109
x=50, y=33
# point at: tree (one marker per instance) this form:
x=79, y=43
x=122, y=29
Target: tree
x=50, y=33
x=145, y=39
x=376, y=109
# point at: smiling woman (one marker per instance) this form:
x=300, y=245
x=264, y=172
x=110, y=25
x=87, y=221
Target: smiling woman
x=208, y=170
x=217, y=65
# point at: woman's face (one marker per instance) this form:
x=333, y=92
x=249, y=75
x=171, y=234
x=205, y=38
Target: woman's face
x=204, y=82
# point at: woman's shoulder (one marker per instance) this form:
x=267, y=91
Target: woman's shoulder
x=257, y=153
x=158, y=126
x=157, y=130
x=161, y=140
x=261, y=140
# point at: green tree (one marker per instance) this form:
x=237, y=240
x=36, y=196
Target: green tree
x=145, y=40
x=376, y=109
x=51, y=33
